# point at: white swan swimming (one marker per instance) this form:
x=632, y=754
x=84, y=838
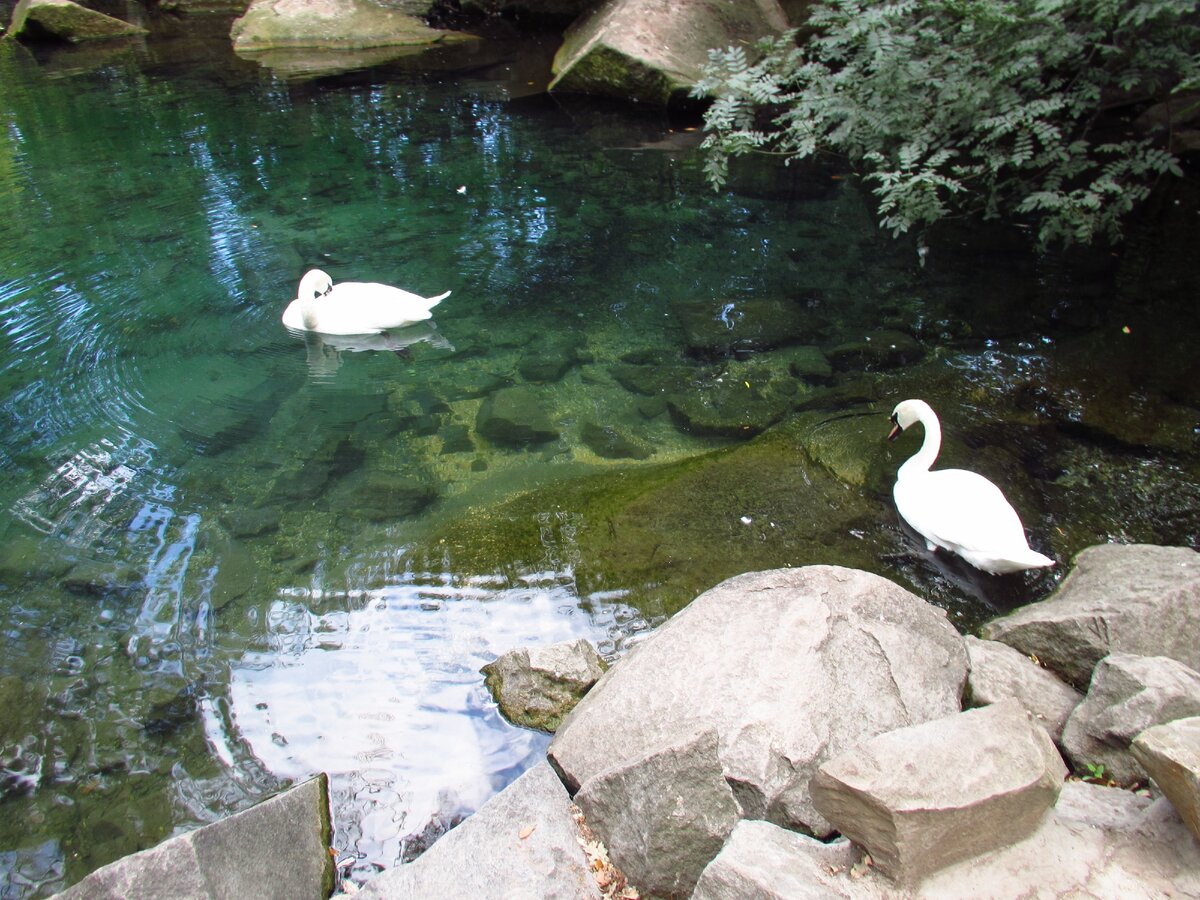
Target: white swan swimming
x=354, y=307
x=957, y=510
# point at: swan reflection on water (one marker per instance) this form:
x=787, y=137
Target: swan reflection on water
x=325, y=350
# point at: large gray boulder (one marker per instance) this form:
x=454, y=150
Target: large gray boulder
x=930, y=795
x=1128, y=694
x=651, y=51
x=1170, y=753
x=64, y=20
x=664, y=816
x=1133, y=598
x=1096, y=842
x=536, y=687
x=279, y=848
x=524, y=842
x=998, y=671
x=790, y=667
x=331, y=24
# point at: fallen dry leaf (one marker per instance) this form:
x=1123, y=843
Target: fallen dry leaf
x=527, y=831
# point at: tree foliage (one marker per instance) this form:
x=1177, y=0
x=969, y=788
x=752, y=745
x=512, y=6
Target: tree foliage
x=965, y=105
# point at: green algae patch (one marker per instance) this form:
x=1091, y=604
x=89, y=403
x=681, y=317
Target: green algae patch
x=667, y=532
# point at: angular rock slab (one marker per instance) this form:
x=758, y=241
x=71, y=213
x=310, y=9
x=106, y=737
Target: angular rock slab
x=663, y=817
x=924, y=797
x=790, y=667
x=523, y=842
x=1128, y=694
x=278, y=848
x=66, y=21
x=1171, y=755
x=767, y=862
x=1134, y=598
x=651, y=51
x=998, y=671
x=536, y=687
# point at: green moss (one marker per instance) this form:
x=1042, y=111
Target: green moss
x=665, y=533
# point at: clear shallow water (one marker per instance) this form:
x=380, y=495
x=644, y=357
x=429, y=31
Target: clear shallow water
x=232, y=556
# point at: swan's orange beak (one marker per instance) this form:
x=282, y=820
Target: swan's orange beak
x=896, y=429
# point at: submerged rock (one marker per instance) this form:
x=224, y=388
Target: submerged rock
x=718, y=328
x=515, y=417
x=64, y=20
x=876, y=351
x=651, y=51
x=612, y=443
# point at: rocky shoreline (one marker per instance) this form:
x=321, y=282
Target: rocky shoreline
x=645, y=51
x=822, y=732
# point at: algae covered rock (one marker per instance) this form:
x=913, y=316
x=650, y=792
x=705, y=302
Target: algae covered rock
x=515, y=417
x=536, y=687
x=64, y=20
x=335, y=24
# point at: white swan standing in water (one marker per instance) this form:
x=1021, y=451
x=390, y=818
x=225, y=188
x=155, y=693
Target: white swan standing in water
x=957, y=510
x=354, y=307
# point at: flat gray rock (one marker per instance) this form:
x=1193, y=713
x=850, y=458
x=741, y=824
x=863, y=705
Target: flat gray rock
x=1128, y=694
x=523, y=842
x=930, y=795
x=276, y=849
x=1134, y=598
x=790, y=667
x=999, y=671
x=1170, y=753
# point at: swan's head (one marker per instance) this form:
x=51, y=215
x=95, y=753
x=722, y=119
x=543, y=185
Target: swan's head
x=908, y=413
x=314, y=284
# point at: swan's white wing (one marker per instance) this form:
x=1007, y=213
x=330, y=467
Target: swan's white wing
x=361, y=307
x=960, y=511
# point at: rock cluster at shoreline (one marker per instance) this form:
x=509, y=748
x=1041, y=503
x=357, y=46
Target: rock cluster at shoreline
x=783, y=707
x=799, y=733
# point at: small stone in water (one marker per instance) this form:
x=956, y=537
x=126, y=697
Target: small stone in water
x=746, y=520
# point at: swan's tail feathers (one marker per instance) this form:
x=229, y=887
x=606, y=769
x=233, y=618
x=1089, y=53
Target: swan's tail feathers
x=434, y=301
x=1030, y=559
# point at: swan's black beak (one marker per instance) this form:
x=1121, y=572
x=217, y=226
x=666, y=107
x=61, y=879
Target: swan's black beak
x=896, y=429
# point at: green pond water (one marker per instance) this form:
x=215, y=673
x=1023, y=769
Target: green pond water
x=232, y=556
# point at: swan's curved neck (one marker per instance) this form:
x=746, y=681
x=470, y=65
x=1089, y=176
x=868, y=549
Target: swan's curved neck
x=921, y=460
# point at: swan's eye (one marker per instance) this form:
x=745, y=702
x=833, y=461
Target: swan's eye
x=894, y=419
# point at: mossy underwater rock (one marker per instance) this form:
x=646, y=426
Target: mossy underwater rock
x=64, y=20
x=333, y=24
x=667, y=532
x=515, y=417
x=651, y=51
x=536, y=687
